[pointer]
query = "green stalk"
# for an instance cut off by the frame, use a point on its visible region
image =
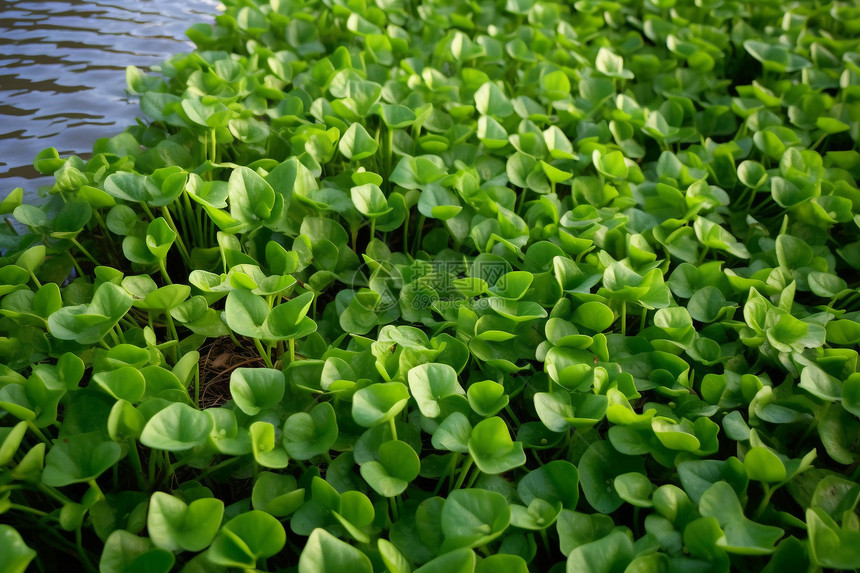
(521, 202)
(152, 467)
(475, 474)
(393, 427)
(85, 252)
(134, 460)
(218, 466)
(163, 271)
(75, 264)
(38, 432)
(94, 484)
(27, 509)
(768, 492)
(101, 222)
(455, 456)
(545, 540)
(147, 211)
(263, 354)
(35, 280)
(624, 318)
(418, 231)
(406, 233)
(514, 416)
(171, 326)
(465, 469)
(393, 503)
(292, 350)
(51, 492)
(191, 218)
(179, 242)
(82, 552)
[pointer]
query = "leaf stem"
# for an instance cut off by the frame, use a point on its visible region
(75, 264)
(38, 432)
(134, 460)
(475, 474)
(152, 466)
(392, 501)
(94, 484)
(27, 509)
(765, 500)
(465, 469)
(179, 242)
(393, 425)
(51, 492)
(623, 318)
(85, 252)
(263, 354)
(419, 229)
(82, 552)
(163, 271)
(218, 466)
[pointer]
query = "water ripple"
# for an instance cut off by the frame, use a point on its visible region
(62, 79)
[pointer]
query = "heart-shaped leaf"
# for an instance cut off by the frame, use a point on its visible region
(176, 526)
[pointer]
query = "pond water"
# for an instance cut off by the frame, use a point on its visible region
(62, 72)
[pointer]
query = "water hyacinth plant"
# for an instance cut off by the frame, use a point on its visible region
(514, 285)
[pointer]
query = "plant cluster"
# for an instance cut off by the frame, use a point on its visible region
(497, 285)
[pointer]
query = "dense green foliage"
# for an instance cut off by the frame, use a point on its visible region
(515, 285)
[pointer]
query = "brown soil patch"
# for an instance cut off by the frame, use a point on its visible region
(218, 359)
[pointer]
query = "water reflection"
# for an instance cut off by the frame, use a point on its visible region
(62, 78)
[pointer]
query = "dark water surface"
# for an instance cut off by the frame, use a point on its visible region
(62, 72)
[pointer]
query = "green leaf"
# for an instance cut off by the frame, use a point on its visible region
(356, 143)
(598, 468)
(831, 546)
(79, 458)
(740, 535)
(398, 465)
(611, 64)
(174, 525)
(492, 448)
(176, 428)
(245, 313)
(124, 383)
(491, 101)
(255, 389)
(379, 403)
(634, 488)
(473, 517)
(247, 538)
(460, 560)
(276, 494)
(325, 553)
(126, 552)
(266, 450)
(16, 554)
(611, 553)
(431, 383)
(307, 434)
(486, 397)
